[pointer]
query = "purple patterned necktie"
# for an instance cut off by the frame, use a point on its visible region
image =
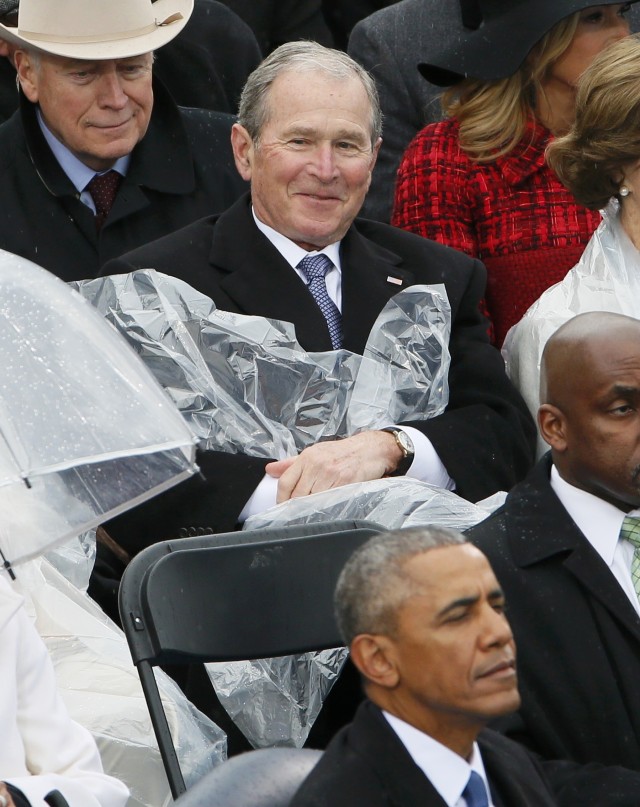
(315, 267)
(103, 189)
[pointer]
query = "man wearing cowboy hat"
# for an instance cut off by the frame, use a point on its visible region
(99, 159)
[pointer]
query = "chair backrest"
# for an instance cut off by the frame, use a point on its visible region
(269, 777)
(232, 596)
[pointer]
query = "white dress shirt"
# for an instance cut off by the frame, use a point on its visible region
(447, 771)
(600, 523)
(426, 466)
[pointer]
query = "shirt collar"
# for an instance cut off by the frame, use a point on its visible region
(79, 173)
(598, 520)
(290, 251)
(447, 771)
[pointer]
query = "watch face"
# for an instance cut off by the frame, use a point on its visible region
(405, 442)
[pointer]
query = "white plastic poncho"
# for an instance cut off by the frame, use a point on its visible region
(606, 278)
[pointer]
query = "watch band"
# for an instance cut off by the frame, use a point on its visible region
(405, 444)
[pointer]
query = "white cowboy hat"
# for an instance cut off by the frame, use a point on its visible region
(97, 29)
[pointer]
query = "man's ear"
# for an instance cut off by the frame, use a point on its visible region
(373, 656)
(243, 148)
(27, 74)
(376, 151)
(553, 427)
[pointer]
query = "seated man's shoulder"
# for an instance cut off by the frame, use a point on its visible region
(396, 17)
(169, 251)
(341, 778)
(196, 119)
(406, 243)
(11, 141)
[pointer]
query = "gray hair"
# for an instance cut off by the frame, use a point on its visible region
(301, 56)
(374, 582)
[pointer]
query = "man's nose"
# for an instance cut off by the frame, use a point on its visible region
(110, 91)
(496, 628)
(324, 162)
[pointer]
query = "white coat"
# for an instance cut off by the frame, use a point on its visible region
(41, 747)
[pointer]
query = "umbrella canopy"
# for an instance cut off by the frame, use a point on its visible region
(85, 430)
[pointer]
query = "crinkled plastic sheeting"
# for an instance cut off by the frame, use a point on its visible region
(101, 688)
(245, 384)
(276, 701)
(606, 278)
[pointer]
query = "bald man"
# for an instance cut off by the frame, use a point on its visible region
(557, 549)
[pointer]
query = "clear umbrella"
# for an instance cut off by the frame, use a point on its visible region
(85, 430)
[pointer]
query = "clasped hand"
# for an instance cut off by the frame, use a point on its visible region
(365, 456)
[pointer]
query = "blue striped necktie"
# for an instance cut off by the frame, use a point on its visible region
(314, 268)
(475, 793)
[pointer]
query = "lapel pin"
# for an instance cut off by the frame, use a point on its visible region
(396, 280)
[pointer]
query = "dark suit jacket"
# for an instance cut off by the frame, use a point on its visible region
(366, 765)
(207, 64)
(577, 634)
(484, 438)
(182, 169)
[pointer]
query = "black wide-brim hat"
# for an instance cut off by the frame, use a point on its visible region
(500, 44)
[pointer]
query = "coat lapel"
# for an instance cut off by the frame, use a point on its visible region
(371, 275)
(401, 779)
(267, 286)
(260, 282)
(539, 528)
(511, 786)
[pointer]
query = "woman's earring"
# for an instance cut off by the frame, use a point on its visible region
(623, 190)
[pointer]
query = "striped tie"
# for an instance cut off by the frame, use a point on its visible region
(630, 531)
(315, 267)
(475, 793)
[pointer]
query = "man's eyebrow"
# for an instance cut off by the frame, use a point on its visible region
(467, 602)
(624, 389)
(462, 602)
(311, 131)
(619, 391)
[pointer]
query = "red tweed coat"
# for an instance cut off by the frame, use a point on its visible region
(512, 213)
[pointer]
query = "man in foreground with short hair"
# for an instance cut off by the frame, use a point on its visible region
(307, 139)
(423, 615)
(99, 159)
(565, 550)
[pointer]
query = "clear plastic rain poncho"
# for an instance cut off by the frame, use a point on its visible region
(85, 431)
(244, 384)
(606, 278)
(101, 688)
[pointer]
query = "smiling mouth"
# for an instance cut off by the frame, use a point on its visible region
(318, 197)
(106, 126)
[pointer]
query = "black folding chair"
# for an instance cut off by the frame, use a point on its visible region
(229, 597)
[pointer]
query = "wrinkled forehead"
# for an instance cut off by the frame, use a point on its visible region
(311, 89)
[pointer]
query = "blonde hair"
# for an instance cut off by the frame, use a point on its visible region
(605, 136)
(493, 115)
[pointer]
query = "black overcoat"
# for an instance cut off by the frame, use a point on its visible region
(577, 634)
(181, 170)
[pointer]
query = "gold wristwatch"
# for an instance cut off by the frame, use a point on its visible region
(405, 444)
